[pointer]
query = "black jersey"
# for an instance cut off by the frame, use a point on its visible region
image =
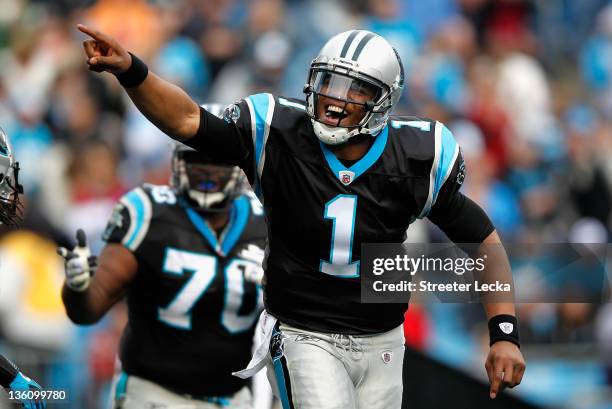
(319, 211)
(8, 372)
(191, 310)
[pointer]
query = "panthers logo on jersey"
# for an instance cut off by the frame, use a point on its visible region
(461, 173)
(115, 221)
(232, 113)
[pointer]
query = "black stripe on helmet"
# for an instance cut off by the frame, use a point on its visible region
(401, 66)
(348, 42)
(361, 45)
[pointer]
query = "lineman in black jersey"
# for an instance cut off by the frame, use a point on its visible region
(333, 173)
(11, 378)
(188, 258)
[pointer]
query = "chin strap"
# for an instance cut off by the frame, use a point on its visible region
(18, 188)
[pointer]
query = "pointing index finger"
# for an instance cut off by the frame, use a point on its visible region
(95, 34)
(498, 378)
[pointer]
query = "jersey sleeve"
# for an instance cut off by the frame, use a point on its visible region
(223, 139)
(261, 111)
(238, 138)
(130, 220)
(460, 218)
(447, 171)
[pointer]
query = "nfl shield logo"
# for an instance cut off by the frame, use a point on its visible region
(346, 177)
(506, 327)
(386, 356)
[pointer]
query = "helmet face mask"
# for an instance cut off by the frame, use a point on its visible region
(11, 208)
(342, 100)
(207, 187)
(353, 85)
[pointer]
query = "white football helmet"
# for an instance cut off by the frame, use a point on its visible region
(353, 62)
(10, 206)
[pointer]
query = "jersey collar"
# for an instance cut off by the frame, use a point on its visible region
(347, 175)
(239, 216)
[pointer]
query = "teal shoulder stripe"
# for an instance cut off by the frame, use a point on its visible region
(448, 154)
(262, 106)
(139, 208)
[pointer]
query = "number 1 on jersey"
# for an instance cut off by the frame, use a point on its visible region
(342, 210)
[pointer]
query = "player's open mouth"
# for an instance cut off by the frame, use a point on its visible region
(335, 112)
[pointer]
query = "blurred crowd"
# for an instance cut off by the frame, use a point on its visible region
(525, 86)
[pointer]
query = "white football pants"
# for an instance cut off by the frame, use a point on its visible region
(132, 392)
(311, 370)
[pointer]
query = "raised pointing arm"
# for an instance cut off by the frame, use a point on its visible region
(164, 104)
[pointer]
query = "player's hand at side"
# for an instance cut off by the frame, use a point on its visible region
(80, 265)
(104, 53)
(505, 366)
(21, 385)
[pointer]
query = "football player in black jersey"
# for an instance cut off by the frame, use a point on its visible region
(333, 172)
(10, 205)
(11, 378)
(188, 258)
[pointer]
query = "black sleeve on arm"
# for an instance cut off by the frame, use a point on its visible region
(461, 219)
(8, 371)
(222, 142)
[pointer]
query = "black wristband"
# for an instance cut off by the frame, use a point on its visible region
(135, 75)
(8, 372)
(504, 327)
